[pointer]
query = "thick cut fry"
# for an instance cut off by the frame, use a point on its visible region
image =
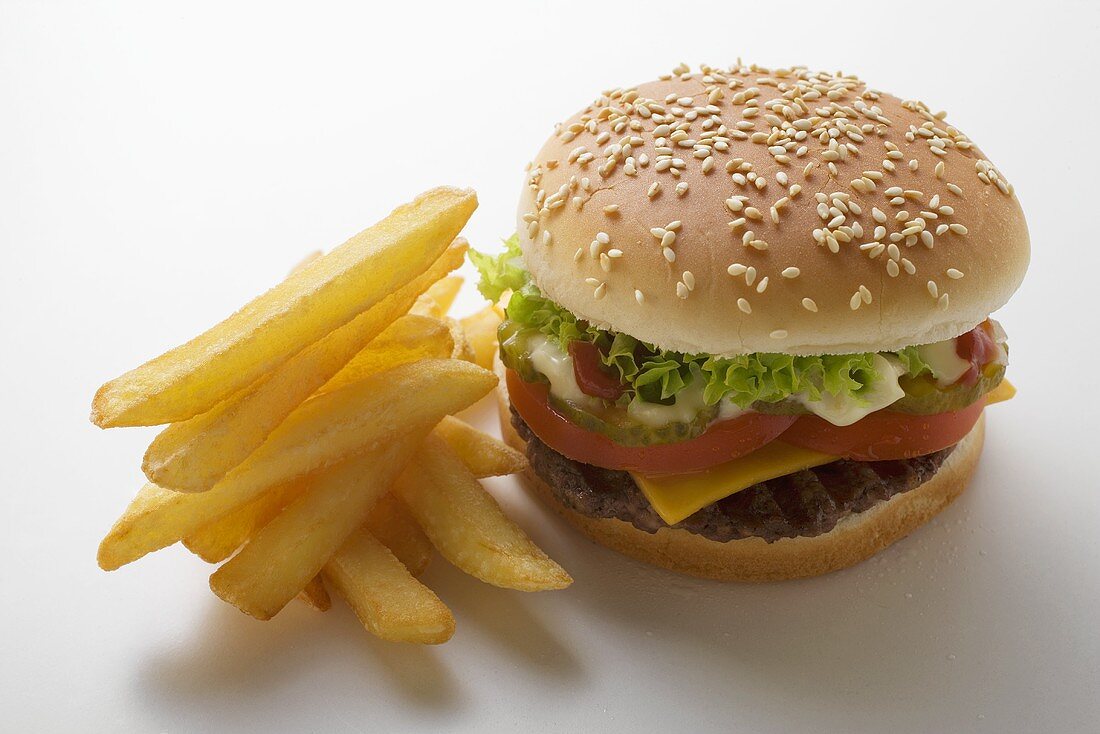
(219, 539)
(467, 526)
(387, 599)
(324, 295)
(192, 456)
(290, 550)
(305, 261)
(482, 454)
(316, 595)
(462, 348)
(407, 339)
(321, 432)
(438, 299)
(481, 332)
(391, 523)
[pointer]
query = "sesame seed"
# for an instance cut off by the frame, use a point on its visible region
(958, 228)
(639, 296)
(669, 253)
(736, 269)
(681, 290)
(791, 272)
(855, 301)
(809, 304)
(611, 209)
(600, 292)
(933, 289)
(744, 305)
(954, 274)
(762, 285)
(779, 334)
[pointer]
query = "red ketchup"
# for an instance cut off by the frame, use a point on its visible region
(589, 372)
(978, 348)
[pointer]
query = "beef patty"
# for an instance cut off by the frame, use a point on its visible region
(805, 503)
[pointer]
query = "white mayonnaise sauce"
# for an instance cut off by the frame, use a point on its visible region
(841, 410)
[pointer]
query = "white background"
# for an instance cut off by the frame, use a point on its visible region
(160, 165)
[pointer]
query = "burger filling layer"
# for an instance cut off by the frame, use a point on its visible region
(800, 504)
(756, 445)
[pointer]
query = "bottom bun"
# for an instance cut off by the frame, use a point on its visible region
(855, 538)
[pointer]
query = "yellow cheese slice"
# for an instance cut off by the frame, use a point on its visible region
(677, 496)
(1004, 391)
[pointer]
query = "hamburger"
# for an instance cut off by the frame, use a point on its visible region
(746, 331)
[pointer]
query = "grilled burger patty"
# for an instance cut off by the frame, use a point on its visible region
(805, 503)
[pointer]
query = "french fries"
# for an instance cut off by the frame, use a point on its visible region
(217, 540)
(437, 300)
(312, 444)
(286, 553)
(322, 431)
(315, 595)
(391, 523)
(326, 294)
(481, 332)
(482, 454)
(387, 599)
(467, 527)
(408, 339)
(192, 456)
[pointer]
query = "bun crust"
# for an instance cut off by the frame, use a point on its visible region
(874, 223)
(854, 539)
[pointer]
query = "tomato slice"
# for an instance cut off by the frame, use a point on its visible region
(885, 435)
(723, 441)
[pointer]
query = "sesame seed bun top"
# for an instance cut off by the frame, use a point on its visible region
(744, 210)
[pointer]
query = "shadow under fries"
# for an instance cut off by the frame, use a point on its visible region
(505, 617)
(232, 657)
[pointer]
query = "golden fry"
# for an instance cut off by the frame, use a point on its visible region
(391, 523)
(481, 332)
(482, 454)
(216, 541)
(407, 339)
(290, 550)
(194, 455)
(316, 595)
(321, 432)
(387, 599)
(467, 526)
(326, 294)
(438, 299)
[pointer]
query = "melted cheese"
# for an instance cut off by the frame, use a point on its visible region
(676, 497)
(1004, 391)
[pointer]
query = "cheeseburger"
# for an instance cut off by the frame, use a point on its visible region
(747, 328)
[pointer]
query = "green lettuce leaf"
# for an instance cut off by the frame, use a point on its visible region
(500, 273)
(657, 375)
